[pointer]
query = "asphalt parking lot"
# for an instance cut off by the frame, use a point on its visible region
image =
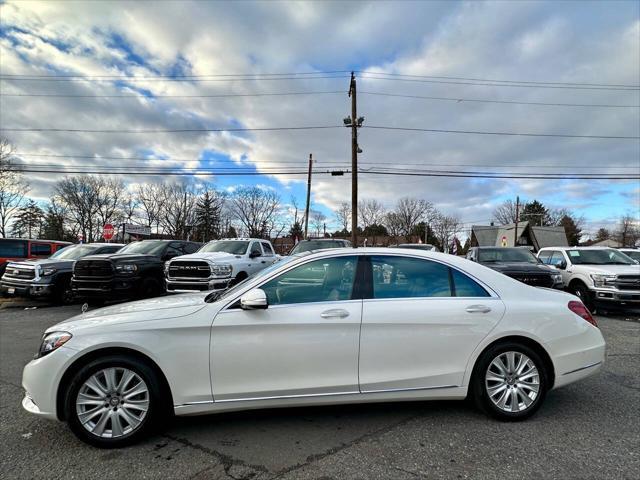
(585, 430)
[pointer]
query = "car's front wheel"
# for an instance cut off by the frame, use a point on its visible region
(113, 401)
(510, 382)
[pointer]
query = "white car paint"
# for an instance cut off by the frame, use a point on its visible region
(217, 358)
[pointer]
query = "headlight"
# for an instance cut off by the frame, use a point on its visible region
(48, 271)
(52, 341)
(166, 267)
(556, 277)
(221, 270)
(600, 280)
(126, 268)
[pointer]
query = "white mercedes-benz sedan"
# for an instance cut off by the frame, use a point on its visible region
(327, 327)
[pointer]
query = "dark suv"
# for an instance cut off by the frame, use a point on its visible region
(136, 271)
(50, 277)
(518, 263)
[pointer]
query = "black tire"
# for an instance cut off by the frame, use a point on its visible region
(96, 302)
(240, 277)
(479, 387)
(581, 291)
(63, 293)
(150, 288)
(156, 410)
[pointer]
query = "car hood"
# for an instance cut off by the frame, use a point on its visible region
(211, 256)
(44, 262)
(610, 269)
(517, 267)
(141, 311)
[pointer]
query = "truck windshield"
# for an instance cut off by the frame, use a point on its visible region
(235, 247)
(73, 252)
(517, 255)
(147, 247)
(605, 256)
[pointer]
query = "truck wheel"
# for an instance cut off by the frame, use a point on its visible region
(63, 294)
(581, 291)
(150, 288)
(240, 277)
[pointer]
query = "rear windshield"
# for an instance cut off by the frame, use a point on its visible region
(13, 248)
(317, 245)
(235, 247)
(517, 255)
(605, 256)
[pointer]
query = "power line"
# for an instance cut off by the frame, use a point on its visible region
(152, 96)
(267, 129)
(513, 102)
(522, 134)
(165, 79)
(212, 75)
(498, 175)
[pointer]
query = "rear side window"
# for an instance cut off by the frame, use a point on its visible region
(466, 287)
(40, 249)
(13, 248)
(404, 277)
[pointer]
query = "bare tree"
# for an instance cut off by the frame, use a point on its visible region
(256, 209)
(409, 212)
(151, 199)
(343, 215)
(505, 213)
(371, 212)
(445, 228)
(317, 220)
(13, 187)
(393, 224)
(177, 217)
(628, 231)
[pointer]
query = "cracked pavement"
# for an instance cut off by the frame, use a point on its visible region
(586, 430)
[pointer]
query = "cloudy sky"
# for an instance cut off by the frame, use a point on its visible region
(165, 65)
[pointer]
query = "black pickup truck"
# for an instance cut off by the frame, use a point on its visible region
(517, 263)
(136, 271)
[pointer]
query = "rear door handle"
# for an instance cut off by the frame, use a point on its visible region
(478, 309)
(334, 313)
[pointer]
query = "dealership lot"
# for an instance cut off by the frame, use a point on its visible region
(586, 430)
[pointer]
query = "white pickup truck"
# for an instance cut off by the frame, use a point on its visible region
(218, 264)
(597, 275)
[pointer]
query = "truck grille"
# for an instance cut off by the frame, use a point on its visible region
(189, 269)
(628, 282)
(20, 273)
(534, 279)
(93, 268)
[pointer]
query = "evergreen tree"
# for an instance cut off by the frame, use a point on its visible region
(29, 221)
(208, 216)
(296, 231)
(535, 213)
(573, 231)
(602, 234)
(53, 228)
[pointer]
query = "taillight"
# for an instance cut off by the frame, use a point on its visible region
(579, 309)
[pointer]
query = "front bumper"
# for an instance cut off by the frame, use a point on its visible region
(40, 380)
(26, 289)
(114, 288)
(622, 297)
(194, 285)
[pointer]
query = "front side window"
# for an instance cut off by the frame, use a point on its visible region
(544, 256)
(556, 259)
(324, 280)
(404, 277)
(256, 251)
(40, 249)
(267, 248)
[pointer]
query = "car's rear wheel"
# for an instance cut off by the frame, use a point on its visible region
(510, 382)
(113, 401)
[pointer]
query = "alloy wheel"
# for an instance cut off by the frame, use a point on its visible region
(112, 402)
(512, 382)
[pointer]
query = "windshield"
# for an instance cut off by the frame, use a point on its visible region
(605, 256)
(517, 255)
(235, 247)
(73, 252)
(306, 246)
(635, 254)
(215, 296)
(147, 247)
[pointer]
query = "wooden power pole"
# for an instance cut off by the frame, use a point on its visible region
(354, 161)
(306, 209)
(515, 233)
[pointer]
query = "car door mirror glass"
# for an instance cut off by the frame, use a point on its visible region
(254, 299)
(562, 265)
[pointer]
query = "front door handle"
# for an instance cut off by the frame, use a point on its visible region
(334, 313)
(478, 309)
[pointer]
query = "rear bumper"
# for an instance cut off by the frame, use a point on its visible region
(579, 359)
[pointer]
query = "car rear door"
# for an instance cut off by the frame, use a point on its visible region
(304, 344)
(420, 324)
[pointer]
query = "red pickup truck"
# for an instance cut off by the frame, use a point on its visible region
(23, 249)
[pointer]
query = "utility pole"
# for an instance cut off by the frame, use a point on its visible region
(306, 209)
(515, 233)
(354, 122)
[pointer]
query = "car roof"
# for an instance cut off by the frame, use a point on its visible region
(62, 242)
(578, 248)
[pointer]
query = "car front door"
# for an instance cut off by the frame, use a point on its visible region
(305, 342)
(421, 323)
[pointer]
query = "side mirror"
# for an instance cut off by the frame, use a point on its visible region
(255, 254)
(562, 265)
(254, 299)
